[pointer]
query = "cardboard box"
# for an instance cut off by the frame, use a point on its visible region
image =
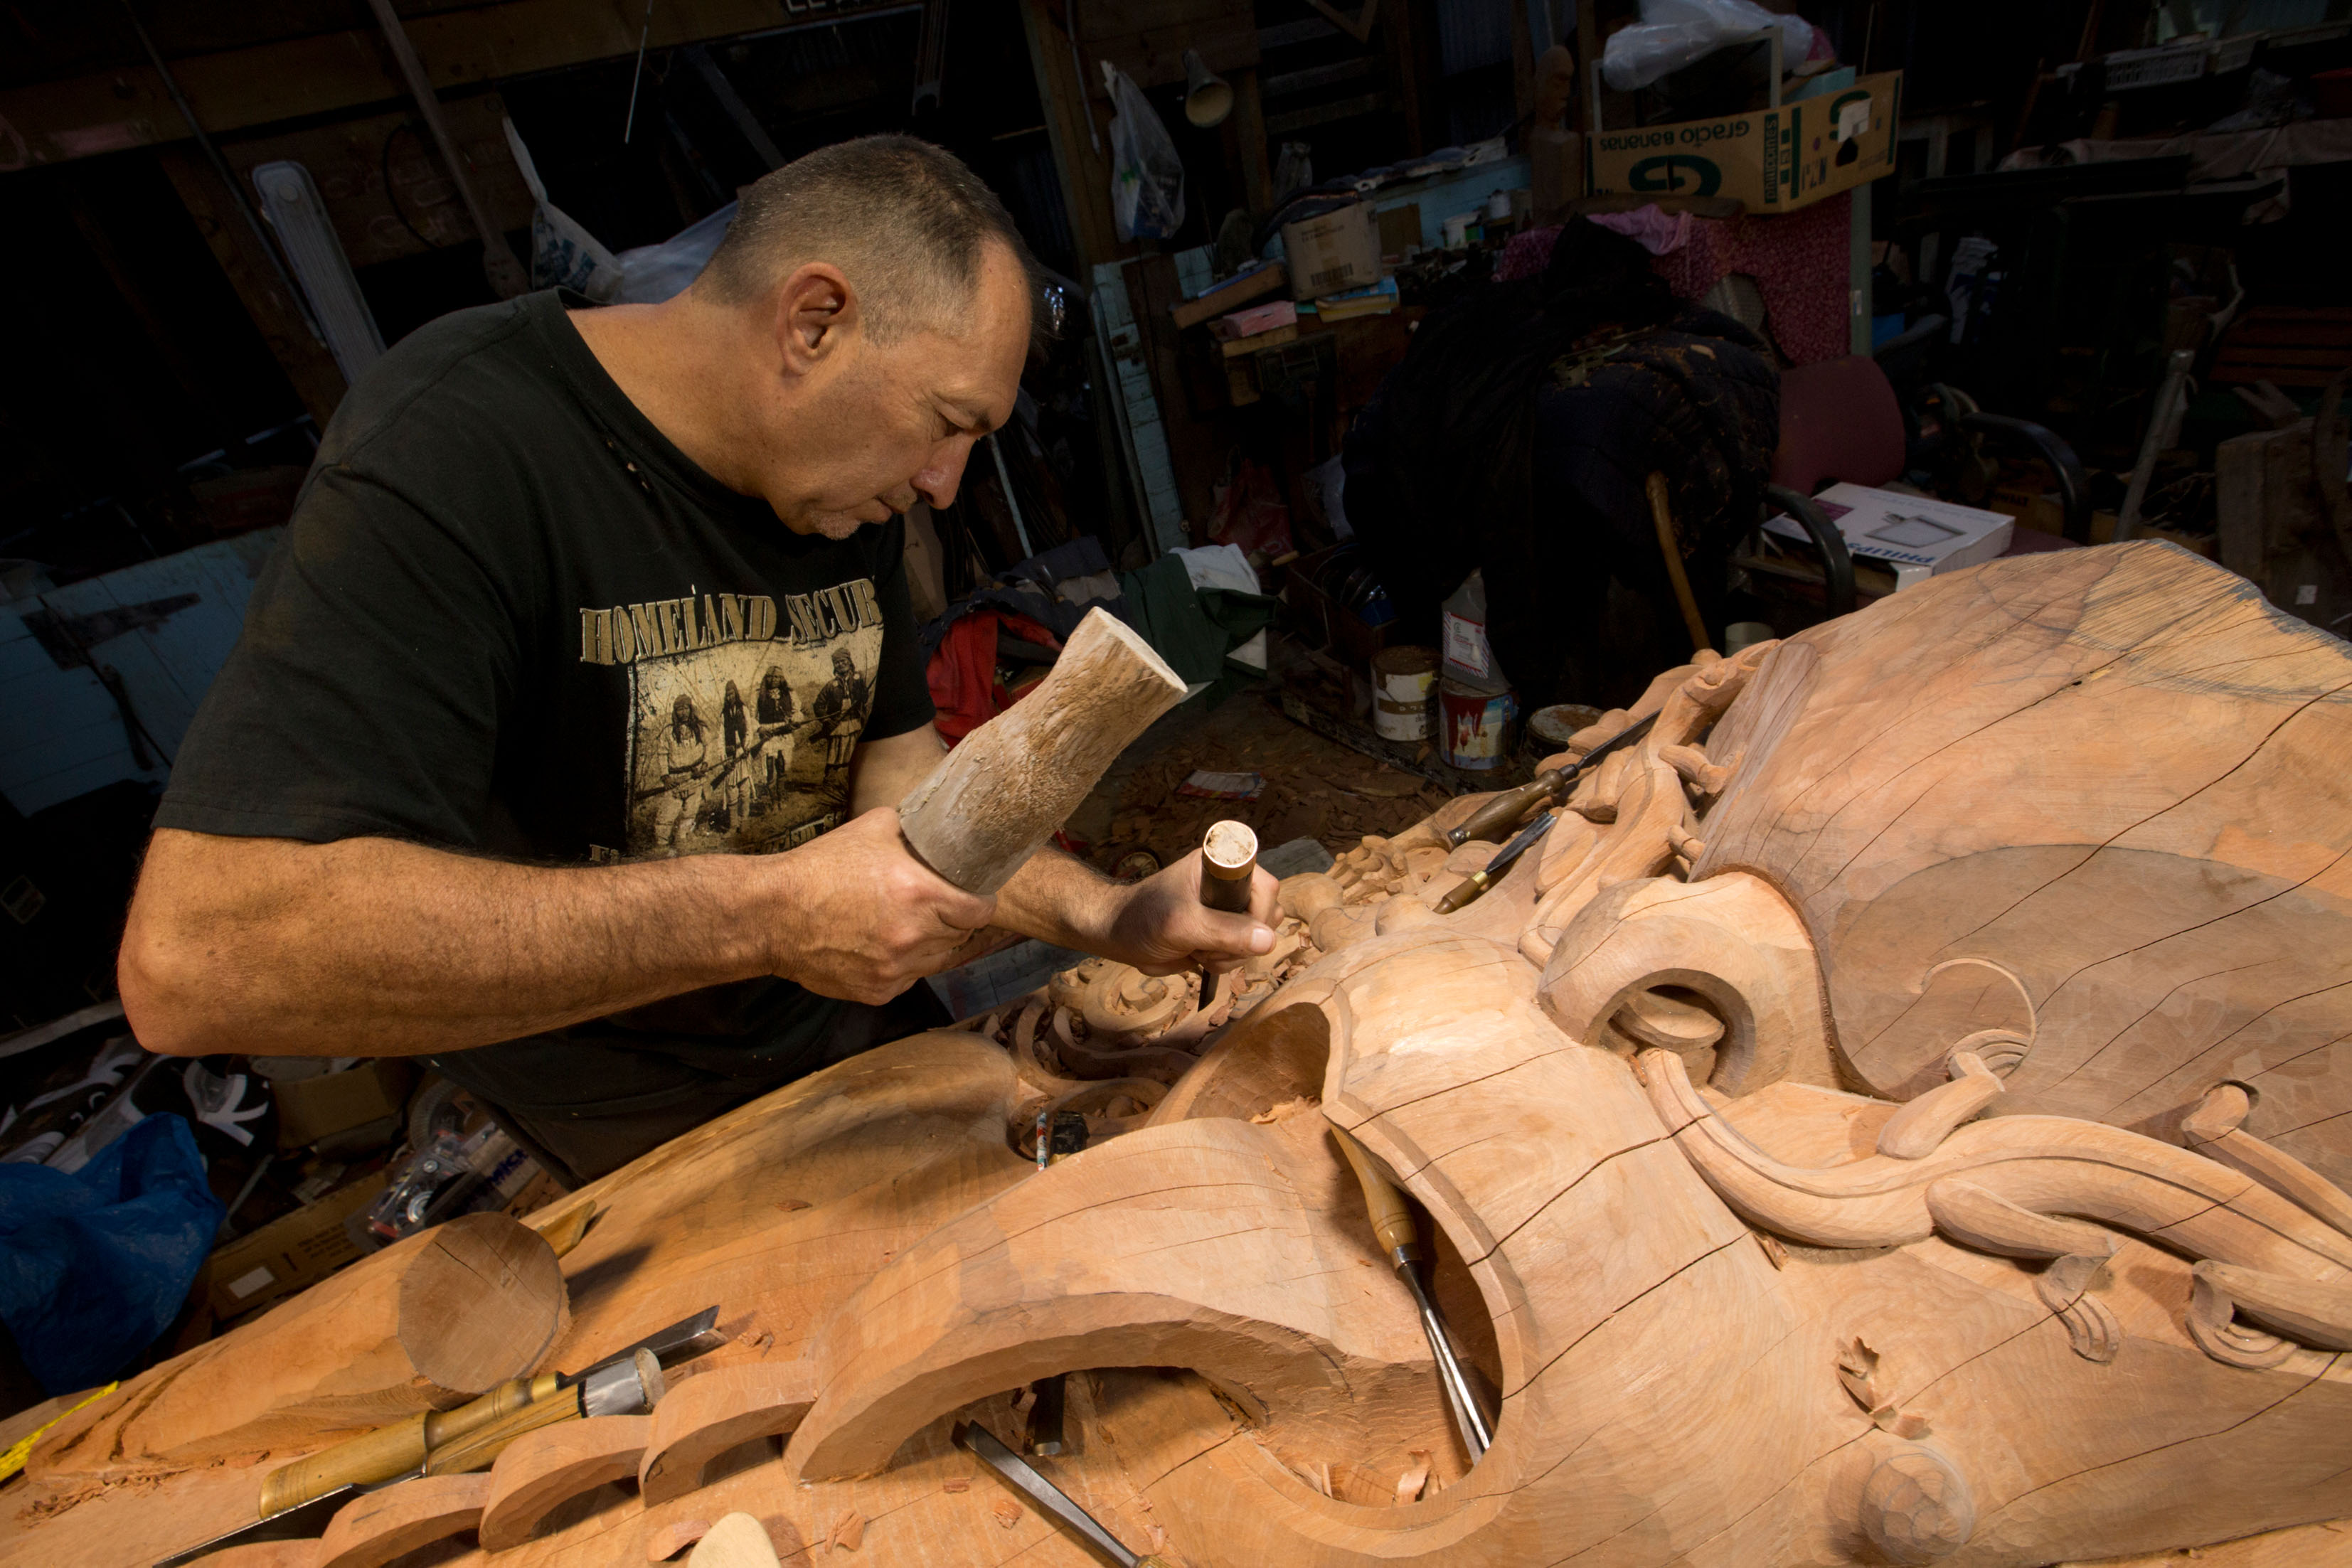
(290, 1252)
(310, 1109)
(1915, 536)
(1334, 253)
(1775, 160)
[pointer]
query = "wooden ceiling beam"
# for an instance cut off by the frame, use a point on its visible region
(327, 73)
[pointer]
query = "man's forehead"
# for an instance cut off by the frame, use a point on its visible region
(993, 344)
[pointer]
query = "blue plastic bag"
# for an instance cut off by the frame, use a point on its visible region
(95, 1265)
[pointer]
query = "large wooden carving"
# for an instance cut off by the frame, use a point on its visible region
(1899, 1116)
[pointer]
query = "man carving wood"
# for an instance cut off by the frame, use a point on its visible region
(477, 784)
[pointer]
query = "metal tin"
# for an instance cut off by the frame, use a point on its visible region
(1548, 728)
(1476, 725)
(1402, 679)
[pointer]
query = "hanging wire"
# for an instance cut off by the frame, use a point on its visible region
(644, 31)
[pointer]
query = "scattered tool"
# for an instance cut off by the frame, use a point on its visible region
(1228, 866)
(981, 1444)
(298, 1498)
(1471, 888)
(1393, 1227)
(1499, 815)
(1046, 1416)
(630, 1387)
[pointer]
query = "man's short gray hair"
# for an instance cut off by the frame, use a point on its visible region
(907, 221)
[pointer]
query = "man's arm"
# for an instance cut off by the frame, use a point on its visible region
(384, 948)
(1158, 924)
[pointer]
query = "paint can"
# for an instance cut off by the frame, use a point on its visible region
(1476, 724)
(1550, 727)
(1402, 678)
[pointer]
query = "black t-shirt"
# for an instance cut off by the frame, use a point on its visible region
(510, 618)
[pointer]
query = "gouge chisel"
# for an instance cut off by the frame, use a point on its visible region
(1502, 813)
(1393, 1227)
(981, 1444)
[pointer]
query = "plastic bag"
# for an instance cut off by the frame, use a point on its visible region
(562, 254)
(653, 273)
(1673, 34)
(1147, 177)
(94, 1265)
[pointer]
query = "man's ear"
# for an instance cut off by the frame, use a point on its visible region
(816, 312)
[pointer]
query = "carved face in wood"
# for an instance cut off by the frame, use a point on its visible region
(1714, 1108)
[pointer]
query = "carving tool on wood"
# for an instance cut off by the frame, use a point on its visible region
(1393, 1227)
(1499, 815)
(298, 1498)
(1228, 866)
(630, 1387)
(1471, 888)
(981, 1444)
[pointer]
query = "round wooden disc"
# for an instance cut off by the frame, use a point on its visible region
(483, 1301)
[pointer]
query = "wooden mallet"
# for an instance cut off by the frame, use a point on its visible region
(994, 800)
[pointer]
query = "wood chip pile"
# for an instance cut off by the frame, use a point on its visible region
(1313, 789)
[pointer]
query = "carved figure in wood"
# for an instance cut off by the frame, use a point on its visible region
(1900, 1114)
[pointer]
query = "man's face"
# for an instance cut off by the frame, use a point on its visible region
(892, 424)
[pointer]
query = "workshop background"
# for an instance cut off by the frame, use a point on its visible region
(1377, 325)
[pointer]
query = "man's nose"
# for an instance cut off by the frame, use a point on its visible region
(943, 475)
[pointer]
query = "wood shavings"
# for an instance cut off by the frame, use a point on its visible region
(1313, 789)
(956, 1484)
(1411, 1484)
(849, 1531)
(1007, 1511)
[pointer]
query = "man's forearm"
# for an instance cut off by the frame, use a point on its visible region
(1060, 899)
(377, 947)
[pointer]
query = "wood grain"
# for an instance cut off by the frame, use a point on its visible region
(543, 1468)
(706, 1415)
(374, 1530)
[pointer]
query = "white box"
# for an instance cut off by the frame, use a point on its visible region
(1914, 536)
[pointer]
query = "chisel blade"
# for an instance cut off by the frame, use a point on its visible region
(981, 1443)
(300, 1523)
(681, 1341)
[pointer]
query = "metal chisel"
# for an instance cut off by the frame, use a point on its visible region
(298, 1498)
(1393, 1227)
(1471, 888)
(1499, 815)
(981, 1443)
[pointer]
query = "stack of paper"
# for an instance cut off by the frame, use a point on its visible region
(1914, 536)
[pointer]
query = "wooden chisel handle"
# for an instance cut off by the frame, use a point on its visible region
(1493, 820)
(477, 1448)
(393, 1451)
(1393, 1225)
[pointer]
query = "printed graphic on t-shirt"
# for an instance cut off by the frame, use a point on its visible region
(741, 720)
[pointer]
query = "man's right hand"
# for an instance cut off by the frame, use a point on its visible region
(863, 919)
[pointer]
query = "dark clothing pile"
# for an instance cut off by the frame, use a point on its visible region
(1518, 434)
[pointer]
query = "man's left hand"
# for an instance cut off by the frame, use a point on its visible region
(1160, 926)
